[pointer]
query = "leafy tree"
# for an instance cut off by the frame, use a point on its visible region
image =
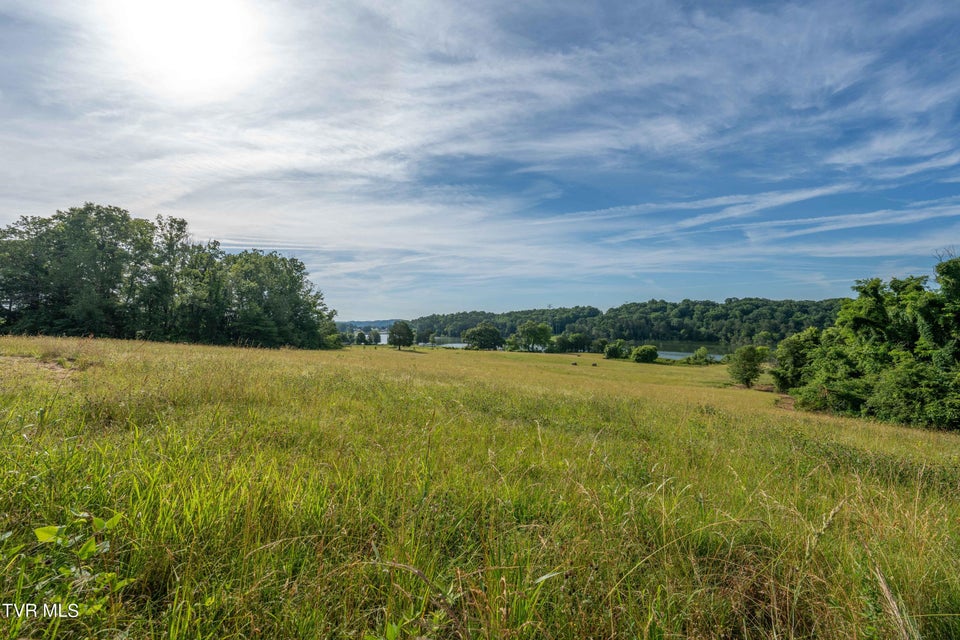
(644, 353)
(745, 365)
(580, 342)
(274, 303)
(793, 355)
(893, 353)
(599, 345)
(202, 296)
(96, 270)
(401, 335)
(374, 337)
(559, 344)
(483, 336)
(361, 338)
(534, 336)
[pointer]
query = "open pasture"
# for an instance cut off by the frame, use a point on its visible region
(173, 491)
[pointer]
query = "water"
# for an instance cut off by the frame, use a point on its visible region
(680, 355)
(666, 355)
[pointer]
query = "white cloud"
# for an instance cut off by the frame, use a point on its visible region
(418, 141)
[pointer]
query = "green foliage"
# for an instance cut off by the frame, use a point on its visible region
(745, 364)
(734, 321)
(534, 336)
(700, 357)
(615, 350)
(454, 324)
(401, 335)
(644, 353)
(77, 560)
(917, 393)
(483, 336)
(893, 354)
(792, 356)
(94, 270)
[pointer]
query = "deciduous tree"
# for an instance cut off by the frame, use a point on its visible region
(745, 365)
(401, 335)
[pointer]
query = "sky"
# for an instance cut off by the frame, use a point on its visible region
(426, 157)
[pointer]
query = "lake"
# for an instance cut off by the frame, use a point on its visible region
(666, 355)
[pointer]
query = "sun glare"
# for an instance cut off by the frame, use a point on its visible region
(185, 50)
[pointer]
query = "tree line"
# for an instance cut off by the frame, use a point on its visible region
(95, 270)
(732, 322)
(893, 353)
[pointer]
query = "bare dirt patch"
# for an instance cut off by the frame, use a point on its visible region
(12, 365)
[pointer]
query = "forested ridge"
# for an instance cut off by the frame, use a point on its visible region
(95, 270)
(734, 321)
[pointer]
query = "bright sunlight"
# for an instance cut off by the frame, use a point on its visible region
(186, 51)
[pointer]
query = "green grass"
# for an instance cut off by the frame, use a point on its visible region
(443, 494)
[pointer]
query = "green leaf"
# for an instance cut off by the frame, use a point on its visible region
(99, 524)
(113, 522)
(392, 631)
(48, 534)
(88, 549)
(120, 584)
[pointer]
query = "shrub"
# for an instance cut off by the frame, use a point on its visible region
(614, 350)
(700, 357)
(645, 353)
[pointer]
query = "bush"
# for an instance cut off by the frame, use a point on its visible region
(840, 396)
(700, 357)
(614, 350)
(915, 393)
(645, 353)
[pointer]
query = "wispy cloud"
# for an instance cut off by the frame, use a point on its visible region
(465, 151)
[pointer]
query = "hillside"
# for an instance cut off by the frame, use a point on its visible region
(733, 321)
(189, 491)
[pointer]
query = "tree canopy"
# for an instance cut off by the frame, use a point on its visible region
(733, 322)
(746, 364)
(483, 336)
(401, 335)
(95, 270)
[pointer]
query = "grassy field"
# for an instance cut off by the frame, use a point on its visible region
(172, 491)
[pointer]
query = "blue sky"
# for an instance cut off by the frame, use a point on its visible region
(429, 156)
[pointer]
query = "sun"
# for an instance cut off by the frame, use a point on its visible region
(185, 50)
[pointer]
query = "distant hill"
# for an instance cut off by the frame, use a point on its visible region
(733, 321)
(345, 325)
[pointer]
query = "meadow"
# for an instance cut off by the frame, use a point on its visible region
(175, 491)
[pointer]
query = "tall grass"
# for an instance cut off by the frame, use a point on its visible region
(175, 491)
